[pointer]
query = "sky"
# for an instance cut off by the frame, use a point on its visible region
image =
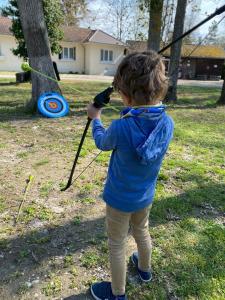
(3, 2)
(207, 7)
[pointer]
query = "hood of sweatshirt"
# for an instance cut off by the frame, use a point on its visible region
(156, 143)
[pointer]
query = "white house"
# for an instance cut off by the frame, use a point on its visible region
(84, 51)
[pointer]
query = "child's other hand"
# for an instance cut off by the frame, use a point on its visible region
(93, 112)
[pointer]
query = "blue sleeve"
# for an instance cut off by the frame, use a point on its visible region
(105, 139)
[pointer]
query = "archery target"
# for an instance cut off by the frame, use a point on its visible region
(53, 105)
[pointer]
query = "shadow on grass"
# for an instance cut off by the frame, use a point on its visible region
(83, 296)
(8, 83)
(15, 109)
(15, 113)
(206, 201)
(188, 106)
(42, 245)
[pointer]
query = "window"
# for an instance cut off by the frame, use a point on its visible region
(68, 53)
(65, 53)
(106, 55)
(110, 56)
(71, 53)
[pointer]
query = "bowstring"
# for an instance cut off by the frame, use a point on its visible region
(107, 105)
(78, 176)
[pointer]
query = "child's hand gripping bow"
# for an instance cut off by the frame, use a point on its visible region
(100, 100)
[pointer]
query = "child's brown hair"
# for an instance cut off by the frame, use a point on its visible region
(141, 77)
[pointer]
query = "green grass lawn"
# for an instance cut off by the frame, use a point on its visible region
(8, 73)
(60, 240)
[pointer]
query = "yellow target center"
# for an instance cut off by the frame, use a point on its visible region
(53, 105)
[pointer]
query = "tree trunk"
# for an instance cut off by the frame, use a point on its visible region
(37, 42)
(155, 22)
(176, 51)
(221, 100)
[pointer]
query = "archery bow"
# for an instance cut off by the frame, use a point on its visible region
(100, 102)
(112, 107)
(103, 98)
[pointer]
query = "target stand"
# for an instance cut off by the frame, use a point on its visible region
(53, 105)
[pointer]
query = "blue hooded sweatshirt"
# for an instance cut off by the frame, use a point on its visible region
(139, 144)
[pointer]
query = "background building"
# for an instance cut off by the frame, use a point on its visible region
(84, 51)
(203, 62)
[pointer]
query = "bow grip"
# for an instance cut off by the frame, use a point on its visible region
(103, 98)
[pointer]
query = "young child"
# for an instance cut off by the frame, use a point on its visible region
(139, 140)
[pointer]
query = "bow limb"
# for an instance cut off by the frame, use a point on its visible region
(77, 155)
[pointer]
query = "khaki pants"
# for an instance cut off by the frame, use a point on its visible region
(117, 224)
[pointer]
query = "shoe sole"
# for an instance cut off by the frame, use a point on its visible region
(138, 272)
(95, 297)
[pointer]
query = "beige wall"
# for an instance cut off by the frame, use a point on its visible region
(8, 61)
(70, 65)
(93, 64)
(90, 52)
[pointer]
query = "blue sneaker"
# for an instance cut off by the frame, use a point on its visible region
(103, 291)
(145, 276)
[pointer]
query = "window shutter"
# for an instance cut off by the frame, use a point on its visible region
(66, 53)
(102, 55)
(110, 55)
(71, 53)
(106, 58)
(60, 55)
(74, 53)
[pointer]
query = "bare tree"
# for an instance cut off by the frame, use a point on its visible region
(36, 38)
(155, 22)
(120, 13)
(167, 21)
(125, 18)
(74, 11)
(138, 27)
(193, 9)
(212, 35)
(176, 50)
(221, 100)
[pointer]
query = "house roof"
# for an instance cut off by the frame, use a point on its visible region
(71, 34)
(74, 34)
(194, 51)
(5, 24)
(104, 38)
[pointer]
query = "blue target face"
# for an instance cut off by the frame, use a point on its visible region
(53, 105)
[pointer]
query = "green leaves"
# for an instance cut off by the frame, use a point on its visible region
(53, 18)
